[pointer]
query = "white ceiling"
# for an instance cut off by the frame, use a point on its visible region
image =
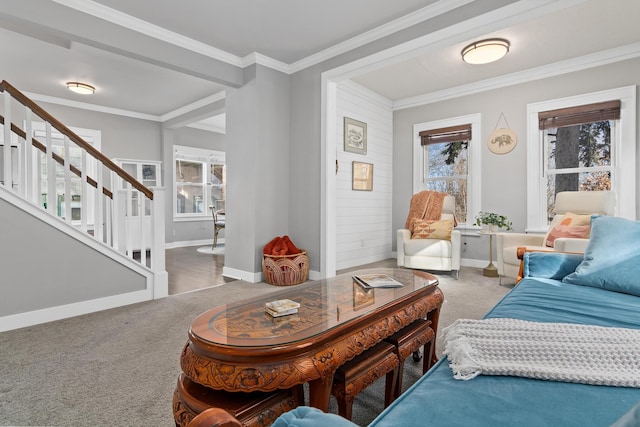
(285, 30)
(39, 53)
(587, 28)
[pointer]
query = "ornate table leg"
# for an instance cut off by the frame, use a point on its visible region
(320, 391)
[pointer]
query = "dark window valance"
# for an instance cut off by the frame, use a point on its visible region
(448, 134)
(609, 110)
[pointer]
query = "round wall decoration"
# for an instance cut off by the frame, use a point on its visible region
(502, 140)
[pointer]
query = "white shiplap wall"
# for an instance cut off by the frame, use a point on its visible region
(363, 218)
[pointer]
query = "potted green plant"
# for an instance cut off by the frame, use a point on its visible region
(493, 221)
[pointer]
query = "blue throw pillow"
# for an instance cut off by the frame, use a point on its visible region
(550, 265)
(612, 258)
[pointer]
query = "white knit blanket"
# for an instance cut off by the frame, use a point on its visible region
(550, 351)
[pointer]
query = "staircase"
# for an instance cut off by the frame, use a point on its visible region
(88, 205)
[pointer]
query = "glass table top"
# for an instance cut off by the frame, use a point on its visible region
(324, 305)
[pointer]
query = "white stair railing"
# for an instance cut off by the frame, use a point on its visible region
(67, 189)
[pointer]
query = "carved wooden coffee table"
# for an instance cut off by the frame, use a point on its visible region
(240, 348)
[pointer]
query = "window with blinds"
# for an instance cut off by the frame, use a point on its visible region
(446, 163)
(578, 149)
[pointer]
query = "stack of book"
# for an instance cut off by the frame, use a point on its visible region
(281, 307)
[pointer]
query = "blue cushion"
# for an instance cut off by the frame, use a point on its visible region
(550, 265)
(612, 258)
(305, 416)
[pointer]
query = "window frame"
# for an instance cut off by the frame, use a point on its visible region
(474, 175)
(208, 157)
(623, 154)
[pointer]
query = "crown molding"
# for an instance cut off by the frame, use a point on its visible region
(597, 59)
(201, 126)
(510, 14)
(128, 113)
(92, 107)
(492, 21)
(193, 106)
(260, 59)
(377, 33)
(108, 14)
(593, 60)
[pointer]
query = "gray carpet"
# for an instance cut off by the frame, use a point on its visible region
(118, 367)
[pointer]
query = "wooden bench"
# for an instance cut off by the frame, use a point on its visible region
(408, 341)
(362, 371)
(190, 399)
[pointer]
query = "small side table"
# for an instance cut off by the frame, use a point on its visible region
(490, 270)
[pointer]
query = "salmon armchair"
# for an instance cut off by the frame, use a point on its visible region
(431, 254)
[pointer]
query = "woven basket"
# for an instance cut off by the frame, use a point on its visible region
(285, 270)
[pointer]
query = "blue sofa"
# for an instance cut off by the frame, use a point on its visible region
(601, 287)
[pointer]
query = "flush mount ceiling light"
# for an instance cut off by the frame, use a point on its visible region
(485, 51)
(81, 88)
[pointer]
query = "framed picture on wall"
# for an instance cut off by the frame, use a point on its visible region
(355, 136)
(362, 178)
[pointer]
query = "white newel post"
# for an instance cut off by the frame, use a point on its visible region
(161, 277)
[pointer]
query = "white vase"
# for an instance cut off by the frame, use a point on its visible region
(492, 228)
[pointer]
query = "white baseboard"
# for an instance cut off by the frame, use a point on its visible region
(257, 277)
(37, 317)
(247, 276)
(314, 275)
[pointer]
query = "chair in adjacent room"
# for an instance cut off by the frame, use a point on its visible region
(218, 211)
(429, 242)
(568, 231)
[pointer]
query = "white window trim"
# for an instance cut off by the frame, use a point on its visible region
(474, 179)
(196, 154)
(624, 157)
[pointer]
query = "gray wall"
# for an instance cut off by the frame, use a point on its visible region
(43, 267)
(273, 147)
(122, 137)
(258, 175)
(504, 177)
(304, 165)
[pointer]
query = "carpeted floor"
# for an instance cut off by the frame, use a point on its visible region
(118, 367)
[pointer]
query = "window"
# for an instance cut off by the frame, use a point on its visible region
(578, 150)
(586, 143)
(199, 177)
(447, 160)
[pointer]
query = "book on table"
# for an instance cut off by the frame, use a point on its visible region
(281, 313)
(377, 281)
(281, 307)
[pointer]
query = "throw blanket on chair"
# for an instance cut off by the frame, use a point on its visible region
(565, 352)
(425, 205)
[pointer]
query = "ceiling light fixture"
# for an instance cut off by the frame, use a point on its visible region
(81, 88)
(485, 51)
